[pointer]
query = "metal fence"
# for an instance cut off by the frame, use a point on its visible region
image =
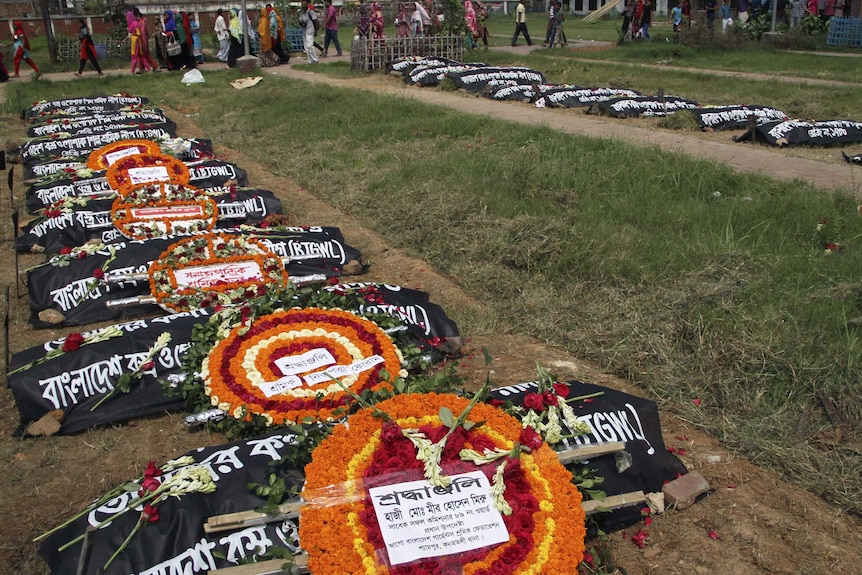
(372, 54)
(112, 46)
(845, 32)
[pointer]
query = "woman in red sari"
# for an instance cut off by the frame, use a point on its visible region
(21, 48)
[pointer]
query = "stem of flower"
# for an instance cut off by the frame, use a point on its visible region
(145, 499)
(583, 397)
(104, 499)
(125, 543)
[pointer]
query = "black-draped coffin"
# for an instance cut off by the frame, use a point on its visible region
(204, 174)
(735, 117)
(313, 251)
(646, 106)
(804, 133)
(93, 220)
(616, 416)
(177, 543)
(77, 380)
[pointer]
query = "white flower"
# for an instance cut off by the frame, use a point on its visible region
(498, 488)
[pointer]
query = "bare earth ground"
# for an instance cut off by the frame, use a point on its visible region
(764, 526)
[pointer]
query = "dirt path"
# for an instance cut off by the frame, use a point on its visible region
(763, 525)
(820, 167)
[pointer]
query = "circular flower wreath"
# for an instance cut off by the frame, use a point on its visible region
(212, 250)
(546, 526)
(240, 363)
(118, 172)
(158, 209)
(100, 160)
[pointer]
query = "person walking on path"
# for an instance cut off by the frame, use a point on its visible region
(725, 15)
(222, 35)
(310, 24)
(276, 31)
(481, 19)
(521, 24)
(550, 28)
(330, 28)
(21, 48)
(88, 50)
(402, 22)
(646, 18)
(710, 15)
(558, 35)
(144, 56)
(134, 42)
(470, 26)
(676, 17)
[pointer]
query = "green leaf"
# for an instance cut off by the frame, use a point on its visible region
(487, 356)
(446, 417)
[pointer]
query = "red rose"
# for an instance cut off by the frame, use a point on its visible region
(550, 398)
(534, 401)
(152, 470)
(391, 432)
(529, 438)
(150, 513)
(72, 342)
(561, 389)
(150, 484)
(98, 273)
(65, 250)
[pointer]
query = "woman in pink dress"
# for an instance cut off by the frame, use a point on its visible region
(470, 23)
(377, 25)
(144, 57)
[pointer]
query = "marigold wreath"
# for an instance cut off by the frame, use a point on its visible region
(127, 173)
(102, 158)
(159, 209)
(546, 526)
(210, 270)
(240, 371)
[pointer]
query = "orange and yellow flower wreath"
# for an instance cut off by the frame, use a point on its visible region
(118, 178)
(209, 250)
(546, 528)
(244, 360)
(201, 211)
(98, 159)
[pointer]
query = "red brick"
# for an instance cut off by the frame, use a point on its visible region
(682, 492)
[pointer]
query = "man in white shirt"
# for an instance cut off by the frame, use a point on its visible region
(222, 35)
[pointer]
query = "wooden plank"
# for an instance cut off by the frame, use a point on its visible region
(291, 509)
(588, 451)
(231, 521)
(264, 567)
(596, 14)
(614, 502)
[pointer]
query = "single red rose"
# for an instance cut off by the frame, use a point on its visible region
(98, 273)
(391, 432)
(529, 438)
(150, 484)
(152, 470)
(561, 389)
(65, 250)
(550, 398)
(150, 513)
(534, 401)
(640, 538)
(72, 342)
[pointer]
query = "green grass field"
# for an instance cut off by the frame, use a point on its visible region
(693, 281)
